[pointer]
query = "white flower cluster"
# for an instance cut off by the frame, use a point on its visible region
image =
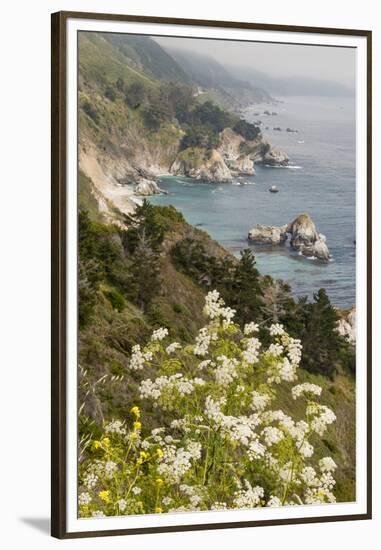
(250, 328)
(324, 418)
(115, 427)
(327, 464)
(195, 498)
(276, 329)
(272, 435)
(122, 503)
(110, 468)
(274, 502)
(275, 349)
(260, 401)
(203, 340)
(177, 461)
(139, 358)
(226, 370)
(251, 354)
(294, 350)
(283, 368)
(90, 480)
(214, 308)
(84, 498)
(154, 389)
(319, 489)
(249, 497)
(172, 348)
(306, 388)
(159, 334)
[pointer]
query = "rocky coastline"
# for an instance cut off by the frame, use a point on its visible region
(235, 156)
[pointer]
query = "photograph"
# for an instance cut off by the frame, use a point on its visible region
(215, 231)
(217, 238)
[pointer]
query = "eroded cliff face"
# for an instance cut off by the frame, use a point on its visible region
(202, 164)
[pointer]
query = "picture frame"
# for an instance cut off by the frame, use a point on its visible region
(65, 29)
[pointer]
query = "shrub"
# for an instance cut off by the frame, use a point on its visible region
(246, 129)
(110, 93)
(220, 444)
(90, 111)
(115, 298)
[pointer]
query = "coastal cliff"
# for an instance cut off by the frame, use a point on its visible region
(136, 125)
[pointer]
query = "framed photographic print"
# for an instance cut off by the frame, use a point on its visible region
(211, 270)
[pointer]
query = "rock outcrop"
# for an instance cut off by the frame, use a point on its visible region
(346, 326)
(145, 188)
(275, 157)
(300, 233)
(202, 165)
(268, 234)
(305, 238)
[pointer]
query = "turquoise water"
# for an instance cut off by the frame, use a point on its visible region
(320, 181)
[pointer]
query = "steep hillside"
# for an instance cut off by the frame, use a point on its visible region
(156, 274)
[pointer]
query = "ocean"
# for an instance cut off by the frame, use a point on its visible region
(321, 180)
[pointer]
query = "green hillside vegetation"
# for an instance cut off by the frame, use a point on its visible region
(156, 274)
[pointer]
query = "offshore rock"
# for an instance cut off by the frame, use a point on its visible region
(301, 234)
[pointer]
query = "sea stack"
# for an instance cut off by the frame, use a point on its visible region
(301, 234)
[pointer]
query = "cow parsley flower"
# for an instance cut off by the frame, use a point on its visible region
(249, 497)
(306, 388)
(122, 503)
(274, 502)
(259, 401)
(159, 334)
(139, 358)
(250, 328)
(172, 347)
(226, 370)
(251, 354)
(115, 427)
(272, 435)
(84, 499)
(110, 468)
(327, 464)
(276, 329)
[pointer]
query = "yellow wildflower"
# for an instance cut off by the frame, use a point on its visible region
(158, 510)
(142, 457)
(137, 425)
(135, 411)
(133, 436)
(97, 444)
(159, 482)
(106, 441)
(159, 453)
(105, 496)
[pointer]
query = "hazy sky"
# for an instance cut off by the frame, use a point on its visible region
(321, 62)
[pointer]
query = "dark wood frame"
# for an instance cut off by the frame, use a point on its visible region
(58, 244)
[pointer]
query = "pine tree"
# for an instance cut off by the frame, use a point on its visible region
(321, 342)
(245, 294)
